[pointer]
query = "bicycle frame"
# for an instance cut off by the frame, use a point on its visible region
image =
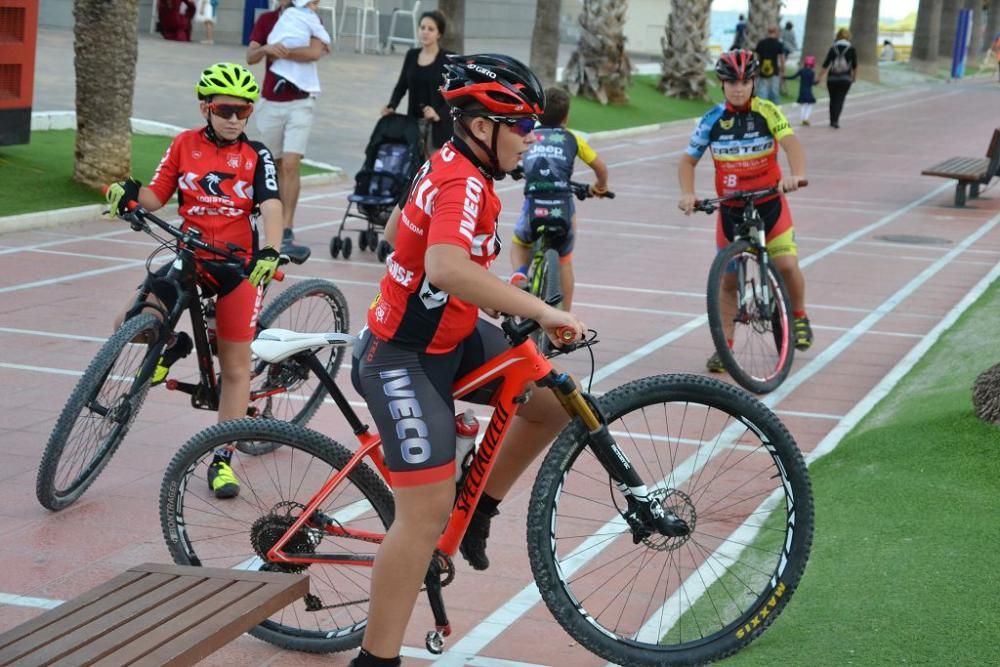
(518, 366)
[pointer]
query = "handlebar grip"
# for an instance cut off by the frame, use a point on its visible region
(279, 276)
(566, 334)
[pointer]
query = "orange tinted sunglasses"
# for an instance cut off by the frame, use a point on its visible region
(227, 111)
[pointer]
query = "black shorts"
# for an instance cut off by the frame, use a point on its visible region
(409, 396)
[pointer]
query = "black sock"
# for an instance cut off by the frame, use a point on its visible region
(487, 504)
(366, 659)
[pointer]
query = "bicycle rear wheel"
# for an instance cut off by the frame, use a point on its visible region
(760, 328)
(545, 284)
(714, 456)
(287, 390)
(98, 414)
(237, 532)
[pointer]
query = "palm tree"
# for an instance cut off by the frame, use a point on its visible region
(685, 51)
(105, 82)
(949, 21)
(763, 15)
(599, 68)
(976, 38)
(926, 36)
(820, 19)
(545, 41)
(864, 34)
(454, 35)
(992, 23)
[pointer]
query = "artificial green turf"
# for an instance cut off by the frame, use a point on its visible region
(39, 176)
(647, 106)
(904, 567)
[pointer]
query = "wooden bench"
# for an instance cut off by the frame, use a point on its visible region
(970, 172)
(152, 615)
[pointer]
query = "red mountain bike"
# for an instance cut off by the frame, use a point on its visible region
(670, 521)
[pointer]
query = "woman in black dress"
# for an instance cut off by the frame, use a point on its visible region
(421, 76)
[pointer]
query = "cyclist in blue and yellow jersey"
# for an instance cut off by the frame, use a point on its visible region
(744, 134)
(424, 332)
(548, 169)
(221, 179)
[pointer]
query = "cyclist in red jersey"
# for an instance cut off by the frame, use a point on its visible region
(221, 178)
(424, 331)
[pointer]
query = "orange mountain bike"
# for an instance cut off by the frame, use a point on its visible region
(670, 521)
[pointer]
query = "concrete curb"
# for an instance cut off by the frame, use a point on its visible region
(66, 120)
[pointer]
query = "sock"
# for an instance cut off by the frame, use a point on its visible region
(487, 504)
(223, 455)
(288, 234)
(366, 659)
(799, 314)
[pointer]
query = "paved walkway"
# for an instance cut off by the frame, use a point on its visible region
(355, 86)
(872, 296)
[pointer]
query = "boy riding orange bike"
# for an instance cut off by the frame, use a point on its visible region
(743, 134)
(424, 332)
(221, 178)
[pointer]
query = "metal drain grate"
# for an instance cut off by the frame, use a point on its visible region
(914, 239)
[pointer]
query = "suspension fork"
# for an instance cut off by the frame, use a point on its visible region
(644, 510)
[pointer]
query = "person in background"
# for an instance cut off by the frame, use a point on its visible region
(421, 76)
(840, 67)
(285, 117)
(807, 79)
(174, 19)
(771, 54)
(295, 28)
(207, 11)
(888, 54)
(789, 40)
(740, 34)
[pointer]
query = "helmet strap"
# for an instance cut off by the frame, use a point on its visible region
(215, 138)
(490, 151)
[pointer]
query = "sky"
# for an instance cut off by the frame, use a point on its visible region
(895, 9)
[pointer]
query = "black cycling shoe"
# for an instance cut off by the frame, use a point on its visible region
(297, 253)
(473, 545)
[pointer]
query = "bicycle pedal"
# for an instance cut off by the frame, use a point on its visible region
(434, 641)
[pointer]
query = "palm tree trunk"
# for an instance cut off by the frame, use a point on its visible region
(820, 19)
(454, 35)
(105, 82)
(976, 38)
(949, 21)
(545, 41)
(992, 23)
(926, 36)
(763, 15)
(685, 51)
(599, 68)
(864, 36)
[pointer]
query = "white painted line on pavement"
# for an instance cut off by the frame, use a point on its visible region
(71, 277)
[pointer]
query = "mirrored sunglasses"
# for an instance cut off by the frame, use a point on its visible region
(522, 127)
(227, 111)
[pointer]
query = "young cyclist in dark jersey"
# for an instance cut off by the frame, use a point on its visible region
(221, 178)
(744, 134)
(424, 332)
(548, 169)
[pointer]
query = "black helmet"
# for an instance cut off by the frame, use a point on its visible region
(500, 84)
(737, 65)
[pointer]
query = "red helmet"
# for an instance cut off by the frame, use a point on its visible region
(502, 85)
(738, 65)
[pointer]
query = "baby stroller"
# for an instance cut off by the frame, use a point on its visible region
(392, 158)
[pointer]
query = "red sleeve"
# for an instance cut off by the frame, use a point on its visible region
(455, 212)
(164, 181)
(262, 28)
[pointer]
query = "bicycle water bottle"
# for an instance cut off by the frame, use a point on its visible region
(210, 326)
(466, 428)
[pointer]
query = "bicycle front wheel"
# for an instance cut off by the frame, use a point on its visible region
(237, 533)
(98, 414)
(712, 455)
(749, 305)
(287, 390)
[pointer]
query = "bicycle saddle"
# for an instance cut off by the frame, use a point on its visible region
(274, 345)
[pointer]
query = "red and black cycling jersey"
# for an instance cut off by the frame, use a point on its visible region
(451, 201)
(219, 187)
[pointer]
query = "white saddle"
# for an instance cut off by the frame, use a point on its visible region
(274, 345)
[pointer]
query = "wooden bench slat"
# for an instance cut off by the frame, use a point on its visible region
(67, 608)
(216, 573)
(65, 644)
(141, 635)
(961, 168)
(79, 616)
(224, 627)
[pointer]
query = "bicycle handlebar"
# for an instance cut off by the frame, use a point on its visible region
(710, 205)
(583, 191)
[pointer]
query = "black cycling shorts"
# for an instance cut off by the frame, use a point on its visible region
(409, 395)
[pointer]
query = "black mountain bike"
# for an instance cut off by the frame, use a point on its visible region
(112, 390)
(550, 222)
(748, 303)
